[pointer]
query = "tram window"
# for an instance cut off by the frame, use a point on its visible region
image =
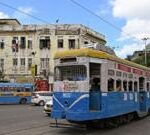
(110, 84)
(125, 85)
(118, 73)
(118, 85)
(130, 86)
(125, 75)
(147, 86)
(130, 75)
(141, 83)
(71, 73)
(111, 72)
(135, 86)
(94, 70)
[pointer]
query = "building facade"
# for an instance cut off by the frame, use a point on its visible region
(23, 46)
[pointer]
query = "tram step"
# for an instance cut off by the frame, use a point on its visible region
(65, 124)
(142, 114)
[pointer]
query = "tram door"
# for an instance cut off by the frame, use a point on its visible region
(142, 94)
(142, 100)
(95, 93)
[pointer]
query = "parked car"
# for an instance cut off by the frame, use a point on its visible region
(48, 107)
(41, 97)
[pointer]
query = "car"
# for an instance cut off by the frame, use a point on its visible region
(41, 97)
(48, 107)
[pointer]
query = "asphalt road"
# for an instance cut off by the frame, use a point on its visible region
(30, 120)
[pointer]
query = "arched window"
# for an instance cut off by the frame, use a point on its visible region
(135, 86)
(118, 85)
(130, 86)
(147, 85)
(110, 84)
(125, 85)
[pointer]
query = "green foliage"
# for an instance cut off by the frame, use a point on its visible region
(141, 60)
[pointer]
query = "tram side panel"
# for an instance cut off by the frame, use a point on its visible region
(76, 108)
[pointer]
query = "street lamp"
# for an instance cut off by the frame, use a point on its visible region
(145, 40)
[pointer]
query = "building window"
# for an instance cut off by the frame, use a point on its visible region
(22, 42)
(45, 43)
(22, 61)
(15, 44)
(2, 44)
(44, 63)
(71, 43)
(60, 43)
(29, 63)
(1, 64)
(86, 42)
(29, 44)
(15, 62)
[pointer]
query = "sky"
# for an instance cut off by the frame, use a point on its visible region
(128, 20)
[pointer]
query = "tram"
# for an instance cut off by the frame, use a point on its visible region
(15, 93)
(92, 85)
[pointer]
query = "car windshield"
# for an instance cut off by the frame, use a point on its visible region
(70, 73)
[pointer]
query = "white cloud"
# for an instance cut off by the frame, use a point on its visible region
(136, 14)
(130, 9)
(129, 49)
(23, 16)
(3, 15)
(137, 28)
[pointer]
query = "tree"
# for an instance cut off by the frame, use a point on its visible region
(141, 60)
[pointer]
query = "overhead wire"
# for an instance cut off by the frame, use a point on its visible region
(25, 13)
(99, 17)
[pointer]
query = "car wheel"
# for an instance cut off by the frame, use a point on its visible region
(48, 114)
(41, 103)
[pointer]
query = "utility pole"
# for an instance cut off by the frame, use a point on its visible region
(145, 40)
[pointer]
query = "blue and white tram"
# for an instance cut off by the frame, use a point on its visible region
(93, 85)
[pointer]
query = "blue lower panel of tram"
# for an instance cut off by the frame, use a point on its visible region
(13, 99)
(77, 106)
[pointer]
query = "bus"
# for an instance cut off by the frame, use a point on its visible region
(94, 86)
(15, 93)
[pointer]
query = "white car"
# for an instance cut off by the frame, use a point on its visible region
(48, 107)
(41, 97)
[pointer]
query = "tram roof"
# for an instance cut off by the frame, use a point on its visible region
(86, 52)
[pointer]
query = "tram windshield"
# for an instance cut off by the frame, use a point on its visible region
(71, 73)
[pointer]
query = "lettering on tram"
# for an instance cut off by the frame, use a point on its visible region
(91, 85)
